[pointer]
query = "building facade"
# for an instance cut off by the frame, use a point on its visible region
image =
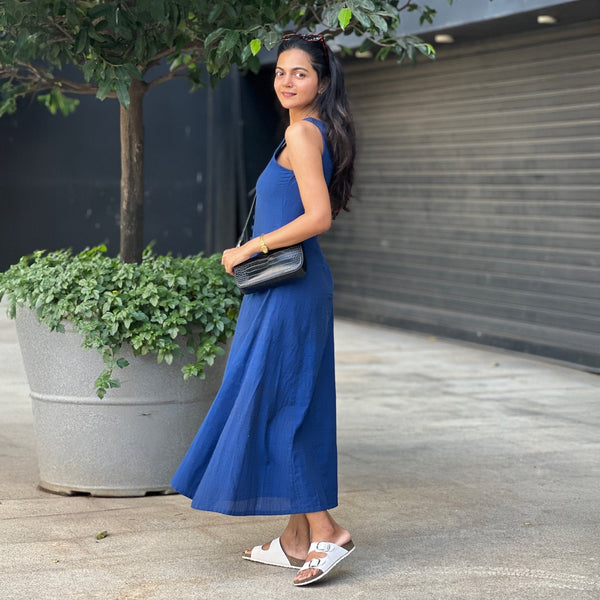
(477, 199)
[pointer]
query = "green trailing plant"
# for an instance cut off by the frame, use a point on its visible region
(165, 306)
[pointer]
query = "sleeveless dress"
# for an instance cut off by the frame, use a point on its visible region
(268, 444)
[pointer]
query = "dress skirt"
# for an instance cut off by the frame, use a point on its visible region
(268, 444)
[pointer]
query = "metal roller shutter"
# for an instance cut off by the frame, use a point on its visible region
(477, 210)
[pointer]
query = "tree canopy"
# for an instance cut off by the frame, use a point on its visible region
(112, 41)
(115, 46)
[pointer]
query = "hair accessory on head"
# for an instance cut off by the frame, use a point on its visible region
(309, 37)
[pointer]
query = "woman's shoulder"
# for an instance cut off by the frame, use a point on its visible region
(304, 132)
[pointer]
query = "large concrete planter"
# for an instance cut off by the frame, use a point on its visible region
(127, 444)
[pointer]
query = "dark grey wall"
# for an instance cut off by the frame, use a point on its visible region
(264, 123)
(59, 176)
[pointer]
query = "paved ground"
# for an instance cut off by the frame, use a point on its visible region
(464, 473)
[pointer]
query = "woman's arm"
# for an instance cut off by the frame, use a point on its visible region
(303, 154)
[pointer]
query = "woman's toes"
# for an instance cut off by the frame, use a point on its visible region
(306, 574)
(265, 547)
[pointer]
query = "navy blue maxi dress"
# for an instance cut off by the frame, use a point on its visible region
(268, 444)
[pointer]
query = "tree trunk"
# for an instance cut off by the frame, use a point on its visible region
(132, 174)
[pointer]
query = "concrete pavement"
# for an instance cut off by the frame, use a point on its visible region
(465, 473)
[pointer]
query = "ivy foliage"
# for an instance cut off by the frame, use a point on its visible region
(112, 41)
(165, 306)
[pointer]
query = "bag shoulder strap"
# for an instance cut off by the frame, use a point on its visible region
(244, 235)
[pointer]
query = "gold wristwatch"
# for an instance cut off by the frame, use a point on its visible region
(263, 246)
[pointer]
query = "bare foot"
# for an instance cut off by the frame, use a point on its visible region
(342, 539)
(294, 541)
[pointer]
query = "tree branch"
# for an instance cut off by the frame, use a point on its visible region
(173, 75)
(283, 16)
(191, 47)
(408, 4)
(77, 88)
(63, 31)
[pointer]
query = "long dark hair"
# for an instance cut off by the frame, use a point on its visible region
(332, 104)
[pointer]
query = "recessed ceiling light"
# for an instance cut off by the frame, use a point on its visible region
(443, 38)
(546, 20)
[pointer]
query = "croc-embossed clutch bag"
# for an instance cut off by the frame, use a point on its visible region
(269, 270)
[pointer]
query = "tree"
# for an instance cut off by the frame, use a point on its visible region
(116, 46)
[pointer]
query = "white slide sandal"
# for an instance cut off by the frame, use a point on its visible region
(274, 556)
(334, 554)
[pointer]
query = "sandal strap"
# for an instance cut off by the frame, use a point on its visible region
(333, 554)
(275, 555)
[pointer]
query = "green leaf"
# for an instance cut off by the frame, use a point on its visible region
(133, 71)
(139, 48)
(123, 93)
(427, 15)
(95, 35)
(99, 11)
(215, 12)
(228, 43)
(175, 63)
(56, 101)
(214, 35)
(368, 5)
(271, 39)
(9, 106)
(379, 22)
(363, 18)
(426, 49)
(344, 17)
(157, 9)
(255, 46)
(81, 42)
(104, 89)
(88, 70)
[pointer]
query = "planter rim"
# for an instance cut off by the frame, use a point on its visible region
(120, 401)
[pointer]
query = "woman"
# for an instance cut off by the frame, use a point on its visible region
(268, 444)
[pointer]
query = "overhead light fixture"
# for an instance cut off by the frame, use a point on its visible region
(546, 20)
(443, 38)
(363, 54)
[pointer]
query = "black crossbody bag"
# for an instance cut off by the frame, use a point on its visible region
(269, 270)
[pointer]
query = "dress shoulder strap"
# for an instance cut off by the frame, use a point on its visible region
(320, 124)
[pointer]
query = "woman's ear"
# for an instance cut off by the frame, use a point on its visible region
(323, 85)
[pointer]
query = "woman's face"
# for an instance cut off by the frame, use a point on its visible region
(296, 81)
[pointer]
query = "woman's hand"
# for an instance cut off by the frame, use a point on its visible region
(235, 256)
